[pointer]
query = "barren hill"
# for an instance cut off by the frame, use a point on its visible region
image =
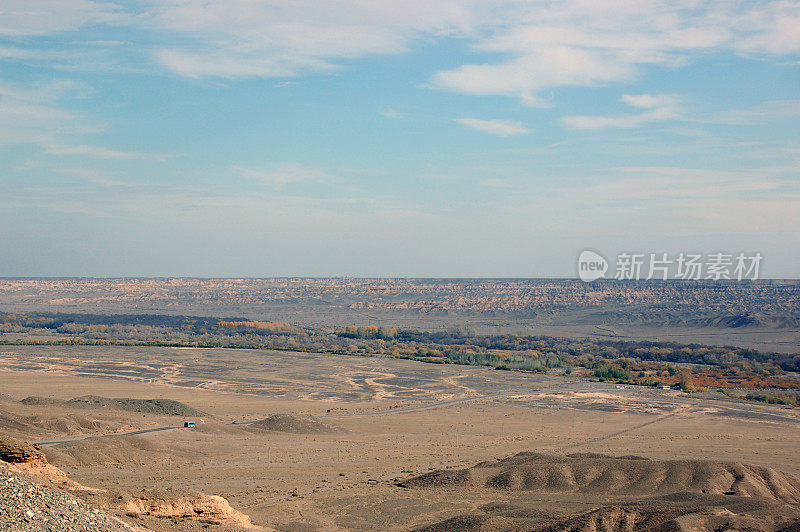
(297, 424)
(150, 406)
(633, 493)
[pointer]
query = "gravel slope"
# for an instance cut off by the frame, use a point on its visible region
(25, 506)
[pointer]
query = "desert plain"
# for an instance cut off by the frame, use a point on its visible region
(304, 441)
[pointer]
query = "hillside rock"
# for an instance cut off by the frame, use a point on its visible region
(16, 451)
(201, 507)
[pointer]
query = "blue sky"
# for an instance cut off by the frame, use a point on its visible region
(452, 138)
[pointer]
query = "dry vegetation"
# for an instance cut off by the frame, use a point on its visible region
(689, 367)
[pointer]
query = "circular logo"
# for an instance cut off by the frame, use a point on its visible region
(591, 266)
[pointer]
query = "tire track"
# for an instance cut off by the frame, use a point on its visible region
(630, 429)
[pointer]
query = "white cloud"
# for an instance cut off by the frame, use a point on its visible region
(283, 174)
(242, 38)
(770, 27)
(655, 108)
(526, 76)
(43, 17)
(537, 45)
(583, 43)
(501, 128)
(651, 101)
(546, 44)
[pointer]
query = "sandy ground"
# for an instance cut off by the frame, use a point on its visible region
(385, 428)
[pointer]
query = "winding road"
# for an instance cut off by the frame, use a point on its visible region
(356, 414)
(131, 433)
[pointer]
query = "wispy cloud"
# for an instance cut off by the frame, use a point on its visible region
(32, 115)
(282, 174)
(27, 54)
(538, 45)
(36, 115)
(577, 43)
(666, 184)
(42, 17)
(495, 183)
(655, 108)
(677, 187)
(98, 152)
(786, 109)
(241, 38)
(660, 204)
(501, 128)
(95, 177)
(390, 113)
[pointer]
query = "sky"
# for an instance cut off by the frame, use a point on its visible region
(455, 138)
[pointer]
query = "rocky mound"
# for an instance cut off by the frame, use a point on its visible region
(297, 424)
(606, 519)
(24, 457)
(439, 478)
(16, 451)
(200, 507)
(631, 493)
(166, 407)
(35, 400)
(619, 476)
(620, 518)
(26, 506)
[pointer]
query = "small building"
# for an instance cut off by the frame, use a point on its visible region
(189, 424)
(665, 387)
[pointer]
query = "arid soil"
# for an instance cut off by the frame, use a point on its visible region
(355, 443)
